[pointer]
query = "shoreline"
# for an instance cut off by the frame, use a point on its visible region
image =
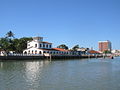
(3, 58)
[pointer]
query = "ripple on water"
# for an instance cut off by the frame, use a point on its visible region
(89, 74)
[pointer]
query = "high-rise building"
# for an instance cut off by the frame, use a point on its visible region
(105, 46)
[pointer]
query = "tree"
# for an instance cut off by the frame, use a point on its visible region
(63, 46)
(107, 52)
(10, 34)
(18, 45)
(21, 44)
(5, 45)
(75, 47)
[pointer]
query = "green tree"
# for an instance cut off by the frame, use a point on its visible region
(4, 44)
(107, 52)
(21, 44)
(10, 34)
(63, 46)
(75, 47)
(18, 45)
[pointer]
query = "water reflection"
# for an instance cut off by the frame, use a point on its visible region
(33, 71)
(1, 64)
(93, 74)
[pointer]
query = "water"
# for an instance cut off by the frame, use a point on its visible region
(86, 74)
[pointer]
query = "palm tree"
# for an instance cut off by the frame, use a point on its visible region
(75, 47)
(10, 34)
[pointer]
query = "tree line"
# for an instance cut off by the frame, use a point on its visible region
(10, 43)
(63, 46)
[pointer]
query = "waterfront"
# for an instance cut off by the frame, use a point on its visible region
(77, 74)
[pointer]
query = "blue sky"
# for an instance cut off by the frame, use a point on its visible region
(70, 22)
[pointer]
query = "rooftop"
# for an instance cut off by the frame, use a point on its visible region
(60, 49)
(104, 41)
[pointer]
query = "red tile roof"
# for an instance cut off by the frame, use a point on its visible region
(94, 52)
(60, 49)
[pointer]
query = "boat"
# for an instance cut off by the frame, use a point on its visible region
(111, 57)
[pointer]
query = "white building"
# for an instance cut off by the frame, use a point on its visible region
(38, 47)
(2, 53)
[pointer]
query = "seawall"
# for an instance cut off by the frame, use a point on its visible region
(20, 57)
(46, 57)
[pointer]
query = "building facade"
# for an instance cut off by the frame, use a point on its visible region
(39, 47)
(105, 46)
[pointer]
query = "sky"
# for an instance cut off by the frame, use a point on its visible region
(70, 22)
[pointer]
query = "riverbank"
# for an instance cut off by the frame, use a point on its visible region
(48, 57)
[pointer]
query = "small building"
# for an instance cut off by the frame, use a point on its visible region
(93, 52)
(2, 53)
(83, 50)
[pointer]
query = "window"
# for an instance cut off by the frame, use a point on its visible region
(39, 52)
(29, 52)
(35, 45)
(28, 44)
(40, 45)
(43, 45)
(25, 52)
(47, 46)
(67, 52)
(35, 51)
(50, 46)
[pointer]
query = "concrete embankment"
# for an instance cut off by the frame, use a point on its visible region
(46, 57)
(74, 57)
(20, 57)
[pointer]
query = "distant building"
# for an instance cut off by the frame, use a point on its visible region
(105, 46)
(93, 52)
(83, 50)
(115, 51)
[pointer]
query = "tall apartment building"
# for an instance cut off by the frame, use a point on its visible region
(105, 46)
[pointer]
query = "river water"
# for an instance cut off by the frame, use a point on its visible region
(77, 74)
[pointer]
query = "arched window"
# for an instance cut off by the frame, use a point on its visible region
(35, 51)
(35, 45)
(29, 52)
(32, 51)
(40, 52)
(43, 45)
(47, 46)
(25, 52)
